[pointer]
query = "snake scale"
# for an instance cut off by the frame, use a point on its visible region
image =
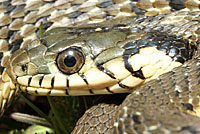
(84, 39)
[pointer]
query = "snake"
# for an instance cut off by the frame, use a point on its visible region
(148, 48)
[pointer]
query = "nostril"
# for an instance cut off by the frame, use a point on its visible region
(24, 68)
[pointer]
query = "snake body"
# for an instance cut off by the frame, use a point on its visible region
(34, 63)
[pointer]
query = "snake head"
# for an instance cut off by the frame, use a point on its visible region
(95, 59)
(66, 62)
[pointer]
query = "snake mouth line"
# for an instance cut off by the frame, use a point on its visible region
(73, 92)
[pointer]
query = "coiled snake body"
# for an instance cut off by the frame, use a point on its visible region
(116, 54)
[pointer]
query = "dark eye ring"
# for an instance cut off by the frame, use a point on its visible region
(71, 60)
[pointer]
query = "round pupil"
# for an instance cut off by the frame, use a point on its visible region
(70, 61)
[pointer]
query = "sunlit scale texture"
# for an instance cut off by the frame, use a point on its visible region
(173, 95)
(98, 122)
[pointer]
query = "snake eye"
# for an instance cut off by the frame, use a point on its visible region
(71, 60)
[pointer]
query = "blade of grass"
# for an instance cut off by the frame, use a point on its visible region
(30, 119)
(42, 114)
(57, 131)
(41, 29)
(57, 115)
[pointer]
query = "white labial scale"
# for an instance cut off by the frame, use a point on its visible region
(58, 92)
(132, 81)
(42, 91)
(46, 82)
(137, 61)
(101, 91)
(98, 79)
(23, 80)
(148, 71)
(60, 81)
(117, 89)
(162, 66)
(159, 61)
(78, 92)
(38, 91)
(143, 58)
(151, 69)
(76, 82)
(156, 57)
(35, 80)
(117, 67)
(31, 90)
